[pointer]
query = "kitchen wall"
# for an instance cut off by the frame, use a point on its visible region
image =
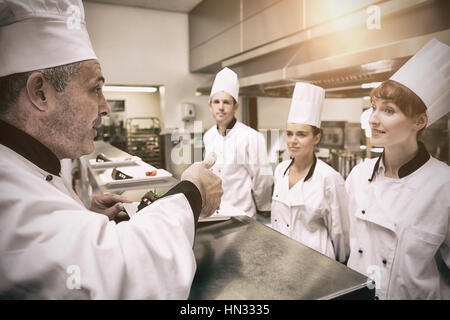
(137, 104)
(148, 47)
(273, 112)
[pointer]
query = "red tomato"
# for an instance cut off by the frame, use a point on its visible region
(150, 173)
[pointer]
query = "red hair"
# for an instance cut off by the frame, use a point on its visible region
(409, 102)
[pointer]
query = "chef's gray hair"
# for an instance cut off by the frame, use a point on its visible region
(10, 86)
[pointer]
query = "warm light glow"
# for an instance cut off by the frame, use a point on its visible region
(370, 85)
(129, 89)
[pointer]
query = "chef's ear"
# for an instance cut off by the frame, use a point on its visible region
(210, 104)
(36, 90)
(421, 121)
(236, 105)
(317, 138)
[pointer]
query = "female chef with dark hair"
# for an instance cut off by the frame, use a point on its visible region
(399, 203)
(309, 203)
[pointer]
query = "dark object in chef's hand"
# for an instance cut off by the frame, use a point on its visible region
(119, 175)
(148, 198)
(102, 158)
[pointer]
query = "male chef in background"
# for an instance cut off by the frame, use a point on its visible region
(51, 247)
(242, 161)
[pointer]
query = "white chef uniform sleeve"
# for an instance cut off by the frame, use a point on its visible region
(169, 223)
(157, 253)
(260, 172)
(53, 248)
(192, 195)
(339, 225)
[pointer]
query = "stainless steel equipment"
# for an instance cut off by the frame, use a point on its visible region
(344, 161)
(343, 139)
(243, 259)
(315, 42)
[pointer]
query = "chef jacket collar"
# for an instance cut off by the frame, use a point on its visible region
(229, 127)
(415, 163)
(310, 172)
(29, 148)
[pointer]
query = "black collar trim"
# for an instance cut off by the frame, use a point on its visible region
(29, 148)
(310, 172)
(375, 168)
(421, 157)
(229, 126)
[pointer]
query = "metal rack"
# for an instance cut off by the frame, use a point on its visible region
(144, 141)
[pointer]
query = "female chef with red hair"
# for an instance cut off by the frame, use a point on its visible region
(399, 202)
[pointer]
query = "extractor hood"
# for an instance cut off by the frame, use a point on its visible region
(342, 57)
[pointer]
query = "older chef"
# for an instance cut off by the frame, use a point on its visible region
(51, 247)
(399, 202)
(309, 202)
(242, 161)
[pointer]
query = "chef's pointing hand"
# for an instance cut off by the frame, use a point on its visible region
(209, 185)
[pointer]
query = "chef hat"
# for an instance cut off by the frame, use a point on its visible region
(41, 34)
(427, 75)
(306, 105)
(226, 80)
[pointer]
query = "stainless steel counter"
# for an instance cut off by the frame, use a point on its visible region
(243, 259)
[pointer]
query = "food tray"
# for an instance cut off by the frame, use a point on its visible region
(120, 161)
(137, 171)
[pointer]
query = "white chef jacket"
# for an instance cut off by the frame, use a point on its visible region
(399, 232)
(51, 247)
(243, 166)
(314, 210)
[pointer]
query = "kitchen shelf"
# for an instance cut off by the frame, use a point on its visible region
(144, 139)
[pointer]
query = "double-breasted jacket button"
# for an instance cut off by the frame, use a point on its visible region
(49, 177)
(363, 211)
(384, 261)
(360, 250)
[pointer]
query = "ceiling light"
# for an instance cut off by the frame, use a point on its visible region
(370, 85)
